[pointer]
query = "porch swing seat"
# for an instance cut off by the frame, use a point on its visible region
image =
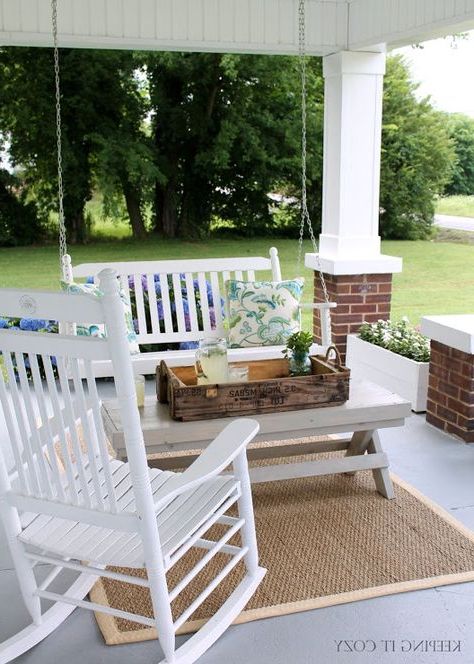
(178, 326)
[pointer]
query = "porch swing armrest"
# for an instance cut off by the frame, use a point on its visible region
(318, 305)
(227, 445)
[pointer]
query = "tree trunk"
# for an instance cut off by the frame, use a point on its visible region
(166, 217)
(132, 201)
(76, 226)
(194, 219)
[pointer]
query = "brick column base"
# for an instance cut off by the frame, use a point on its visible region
(360, 298)
(450, 404)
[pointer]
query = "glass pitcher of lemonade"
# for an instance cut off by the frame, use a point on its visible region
(211, 362)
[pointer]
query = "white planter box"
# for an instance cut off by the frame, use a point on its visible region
(396, 373)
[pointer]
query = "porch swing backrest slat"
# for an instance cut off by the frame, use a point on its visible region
(184, 297)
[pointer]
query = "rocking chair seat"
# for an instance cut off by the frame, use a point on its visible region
(178, 521)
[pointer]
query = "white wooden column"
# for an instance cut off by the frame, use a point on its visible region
(350, 242)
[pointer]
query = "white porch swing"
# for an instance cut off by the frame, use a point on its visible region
(177, 326)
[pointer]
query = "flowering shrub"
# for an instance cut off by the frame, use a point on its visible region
(30, 325)
(172, 297)
(399, 337)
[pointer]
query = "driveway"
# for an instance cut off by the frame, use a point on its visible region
(455, 223)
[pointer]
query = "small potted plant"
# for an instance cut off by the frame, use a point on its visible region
(297, 353)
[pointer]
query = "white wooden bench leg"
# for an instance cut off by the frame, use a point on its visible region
(359, 443)
(382, 478)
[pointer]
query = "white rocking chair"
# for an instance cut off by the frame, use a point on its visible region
(81, 510)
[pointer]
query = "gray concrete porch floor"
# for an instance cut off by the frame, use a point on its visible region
(437, 465)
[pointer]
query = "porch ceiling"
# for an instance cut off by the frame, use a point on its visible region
(248, 26)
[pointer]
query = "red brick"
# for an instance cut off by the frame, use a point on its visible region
(448, 388)
(467, 369)
(446, 362)
(461, 355)
(342, 309)
(346, 299)
(433, 381)
(431, 406)
(346, 278)
(354, 327)
(435, 421)
(467, 397)
(363, 308)
(379, 297)
(351, 318)
(437, 397)
(439, 372)
(340, 329)
(463, 382)
(446, 414)
(465, 409)
(385, 288)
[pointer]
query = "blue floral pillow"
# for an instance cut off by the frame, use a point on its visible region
(263, 313)
(92, 330)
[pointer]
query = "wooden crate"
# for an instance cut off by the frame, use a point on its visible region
(270, 388)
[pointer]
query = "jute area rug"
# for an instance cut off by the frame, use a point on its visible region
(325, 541)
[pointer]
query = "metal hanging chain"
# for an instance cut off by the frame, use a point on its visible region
(62, 224)
(305, 216)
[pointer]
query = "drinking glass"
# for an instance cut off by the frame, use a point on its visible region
(211, 362)
(140, 390)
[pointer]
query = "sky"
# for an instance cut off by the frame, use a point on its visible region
(444, 68)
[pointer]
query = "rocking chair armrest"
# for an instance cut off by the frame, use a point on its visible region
(216, 457)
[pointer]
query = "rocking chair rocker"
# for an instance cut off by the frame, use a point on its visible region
(81, 510)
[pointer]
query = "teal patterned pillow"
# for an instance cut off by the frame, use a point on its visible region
(262, 313)
(88, 330)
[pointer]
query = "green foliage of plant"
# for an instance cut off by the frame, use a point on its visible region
(298, 344)
(461, 131)
(175, 140)
(399, 337)
(97, 100)
(19, 224)
(417, 157)
(226, 131)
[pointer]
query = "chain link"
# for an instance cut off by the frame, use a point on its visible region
(305, 216)
(62, 224)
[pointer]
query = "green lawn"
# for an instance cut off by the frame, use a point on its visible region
(438, 277)
(458, 206)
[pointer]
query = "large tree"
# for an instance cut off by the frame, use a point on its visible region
(96, 87)
(417, 156)
(227, 132)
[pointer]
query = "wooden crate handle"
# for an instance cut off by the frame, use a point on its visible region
(337, 360)
(163, 383)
